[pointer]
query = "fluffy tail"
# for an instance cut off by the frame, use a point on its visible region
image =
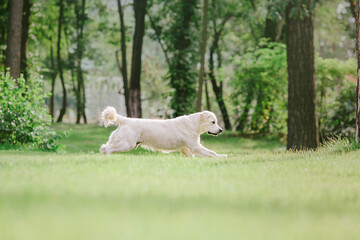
(110, 116)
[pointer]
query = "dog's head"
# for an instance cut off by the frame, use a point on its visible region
(208, 123)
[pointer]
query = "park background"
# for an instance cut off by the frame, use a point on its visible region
(280, 76)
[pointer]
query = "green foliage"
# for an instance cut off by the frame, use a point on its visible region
(260, 92)
(24, 120)
(260, 88)
(3, 29)
(178, 21)
(335, 81)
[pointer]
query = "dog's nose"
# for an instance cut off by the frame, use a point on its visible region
(220, 130)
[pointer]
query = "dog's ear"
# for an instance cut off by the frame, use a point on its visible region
(204, 116)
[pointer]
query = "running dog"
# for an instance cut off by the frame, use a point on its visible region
(177, 134)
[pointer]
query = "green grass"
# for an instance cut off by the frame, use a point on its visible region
(258, 192)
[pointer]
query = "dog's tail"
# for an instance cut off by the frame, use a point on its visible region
(110, 116)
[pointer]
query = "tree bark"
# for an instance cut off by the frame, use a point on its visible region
(202, 57)
(80, 90)
(59, 61)
(135, 90)
(218, 88)
(25, 36)
(253, 4)
(53, 78)
(13, 50)
(273, 28)
(5, 9)
(208, 106)
(123, 67)
(353, 8)
(357, 115)
(243, 119)
(182, 77)
(302, 120)
(158, 37)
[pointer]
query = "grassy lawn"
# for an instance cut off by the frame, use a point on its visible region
(258, 192)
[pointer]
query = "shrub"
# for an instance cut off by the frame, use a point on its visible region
(260, 89)
(23, 119)
(260, 92)
(335, 81)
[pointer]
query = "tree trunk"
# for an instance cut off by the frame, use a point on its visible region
(123, 66)
(80, 90)
(53, 78)
(182, 77)
(273, 27)
(158, 37)
(13, 50)
(302, 121)
(208, 106)
(353, 8)
(243, 119)
(24, 37)
(358, 72)
(59, 61)
(202, 57)
(135, 91)
(5, 9)
(218, 90)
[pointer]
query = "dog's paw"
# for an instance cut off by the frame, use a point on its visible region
(102, 149)
(222, 155)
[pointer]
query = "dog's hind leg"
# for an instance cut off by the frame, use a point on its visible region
(186, 151)
(123, 139)
(120, 147)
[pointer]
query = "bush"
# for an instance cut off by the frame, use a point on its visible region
(260, 89)
(260, 92)
(335, 81)
(24, 120)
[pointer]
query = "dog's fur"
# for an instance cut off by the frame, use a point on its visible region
(177, 134)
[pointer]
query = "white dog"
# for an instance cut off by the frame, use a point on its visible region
(178, 134)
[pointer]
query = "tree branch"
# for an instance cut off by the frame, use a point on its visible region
(158, 37)
(353, 8)
(253, 4)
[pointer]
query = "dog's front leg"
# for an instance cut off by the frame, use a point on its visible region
(202, 151)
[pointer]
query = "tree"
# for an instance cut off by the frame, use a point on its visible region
(13, 50)
(123, 65)
(274, 22)
(202, 57)
(25, 36)
(353, 8)
(59, 61)
(357, 129)
(175, 24)
(53, 78)
(302, 121)
(80, 89)
(181, 69)
(4, 15)
(135, 90)
(215, 49)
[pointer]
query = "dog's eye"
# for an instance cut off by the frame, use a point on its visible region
(213, 122)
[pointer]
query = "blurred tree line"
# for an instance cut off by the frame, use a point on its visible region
(269, 66)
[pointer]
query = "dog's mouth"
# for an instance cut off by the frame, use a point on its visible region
(211, 133)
